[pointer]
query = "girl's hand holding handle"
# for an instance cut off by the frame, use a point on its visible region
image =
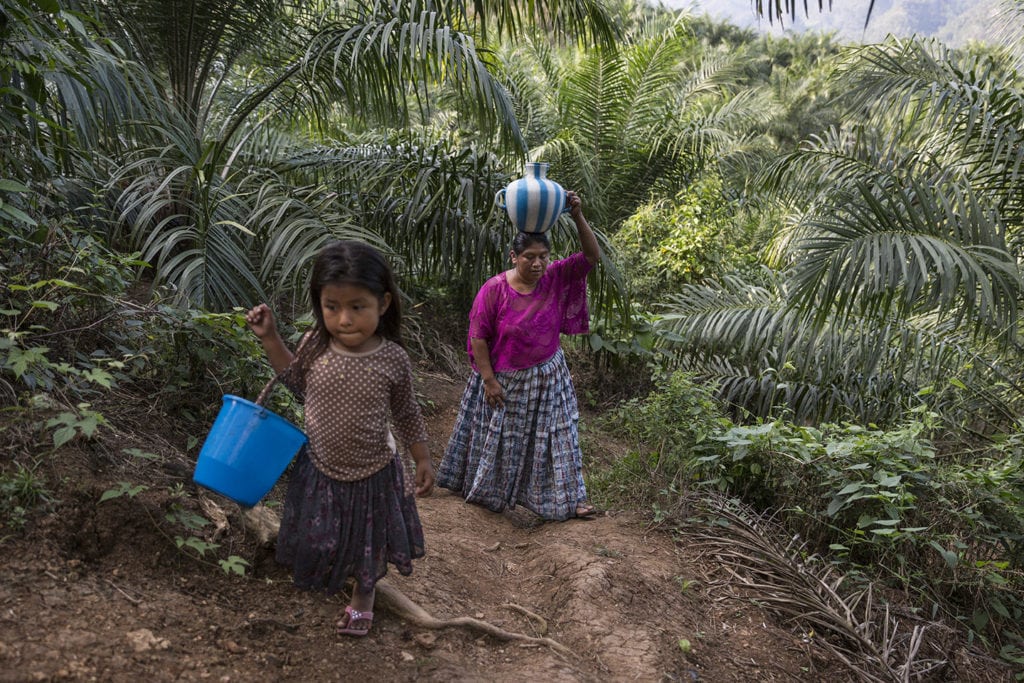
(261, 320)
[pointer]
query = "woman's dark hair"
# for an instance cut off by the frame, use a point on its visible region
(524, 240)
(348, 262)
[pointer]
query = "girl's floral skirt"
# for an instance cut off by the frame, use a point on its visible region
(527, 453)
(334, 530)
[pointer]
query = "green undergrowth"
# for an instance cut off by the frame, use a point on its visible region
(88, 352)
(190, 531)
(22, 490)
(82, 338)
(945, 527)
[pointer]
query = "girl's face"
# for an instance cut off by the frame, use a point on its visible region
(352, 314)
(531, 263)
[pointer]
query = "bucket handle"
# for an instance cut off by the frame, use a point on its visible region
(265, 392)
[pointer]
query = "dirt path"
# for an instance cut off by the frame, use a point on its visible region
(97, 591)
(604, 588)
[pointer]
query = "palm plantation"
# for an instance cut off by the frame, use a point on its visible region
(811, 251)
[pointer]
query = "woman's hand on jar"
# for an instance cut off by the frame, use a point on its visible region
(575, 204)
(494, 393)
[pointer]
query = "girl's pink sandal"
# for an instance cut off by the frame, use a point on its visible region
(354, 616)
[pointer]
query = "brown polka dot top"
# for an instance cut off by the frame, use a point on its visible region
(352, 401)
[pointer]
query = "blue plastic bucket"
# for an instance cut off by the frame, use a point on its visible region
(246, 451)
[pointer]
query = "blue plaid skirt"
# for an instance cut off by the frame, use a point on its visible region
(526, 453)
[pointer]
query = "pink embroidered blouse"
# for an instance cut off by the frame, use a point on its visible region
(522, 330)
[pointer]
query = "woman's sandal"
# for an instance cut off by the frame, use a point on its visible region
(351, 616)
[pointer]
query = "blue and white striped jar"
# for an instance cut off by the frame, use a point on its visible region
(533, 202)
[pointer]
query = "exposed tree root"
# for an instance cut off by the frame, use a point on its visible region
(397, 602)
(536, 617)
(263, 522)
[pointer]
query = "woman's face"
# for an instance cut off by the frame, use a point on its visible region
(531, 263)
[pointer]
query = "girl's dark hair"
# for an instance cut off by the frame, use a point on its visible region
(348, 262)
(524, 240)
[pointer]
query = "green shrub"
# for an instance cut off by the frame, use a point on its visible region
(837, 483)
(21, 490)
(666, 244)
(193, 357)
(75, 324)
(948, 527)
(672, 427)
(60, 313)
(945, 526)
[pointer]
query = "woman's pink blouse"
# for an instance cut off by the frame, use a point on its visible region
(522, 330)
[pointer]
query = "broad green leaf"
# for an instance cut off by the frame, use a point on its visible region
(140, 454)
(951, 558)
(850, 488)
(63, 435)
(100, 377)
(997, 579)
(999, 607)
(124, 488)
(888, 481)
(16, 214)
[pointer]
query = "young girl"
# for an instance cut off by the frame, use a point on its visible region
(348, 511)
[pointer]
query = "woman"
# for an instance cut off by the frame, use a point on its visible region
(516, 441)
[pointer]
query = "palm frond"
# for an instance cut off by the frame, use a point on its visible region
(873, 643)
(63, 91)
(952, 103)
(908, 248)
(381, 61)
(526, 70)
(778, 10)
(586, 21)
(432, 205)
(764, 357)
(193, 43)
(1010, 31)
(291, 224)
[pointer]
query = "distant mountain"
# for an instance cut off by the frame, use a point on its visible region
(955, 22)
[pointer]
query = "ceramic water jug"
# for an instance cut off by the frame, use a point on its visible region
(533, 202)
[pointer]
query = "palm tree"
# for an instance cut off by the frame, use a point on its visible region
(61, 92)
(778, 11)
(620, 125)
(902, 227)
(616, 123)
(234, 71)
(741, 335)
(917, 210)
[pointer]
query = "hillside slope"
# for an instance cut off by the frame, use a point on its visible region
(100, 591)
